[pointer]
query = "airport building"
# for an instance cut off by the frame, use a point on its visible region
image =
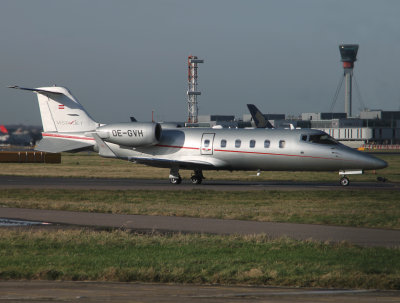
(371, 127)
(376, 127)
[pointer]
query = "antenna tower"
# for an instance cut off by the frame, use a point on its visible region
(192, 92)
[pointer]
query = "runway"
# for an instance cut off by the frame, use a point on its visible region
(151, 184)
(68, 291)
(359, 236)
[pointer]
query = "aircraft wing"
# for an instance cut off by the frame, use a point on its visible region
(167, 163)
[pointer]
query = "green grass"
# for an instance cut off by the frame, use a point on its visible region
(361, 208)
(120, 256)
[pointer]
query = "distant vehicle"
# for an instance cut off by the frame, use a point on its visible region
(68, 127)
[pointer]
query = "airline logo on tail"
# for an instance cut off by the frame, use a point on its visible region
(3, 129)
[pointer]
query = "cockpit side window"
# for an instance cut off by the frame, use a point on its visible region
(322, 139)
(304, 138)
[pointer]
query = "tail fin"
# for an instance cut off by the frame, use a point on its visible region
(258, 117)
(60, 111)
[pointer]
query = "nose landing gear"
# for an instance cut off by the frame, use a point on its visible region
(344, 181)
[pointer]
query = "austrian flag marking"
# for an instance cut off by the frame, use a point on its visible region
(61, 106)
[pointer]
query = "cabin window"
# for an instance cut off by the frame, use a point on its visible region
(266, 143)
(252, 143)
(282, 143)
(238, 143)
(223, 143)
(303, 137)
(206, 143)
(323, 139)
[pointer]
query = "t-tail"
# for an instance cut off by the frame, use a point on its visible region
(64, 120)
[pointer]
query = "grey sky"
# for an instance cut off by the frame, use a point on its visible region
(122, 58)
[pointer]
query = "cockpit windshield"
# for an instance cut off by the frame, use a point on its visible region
(322, 139)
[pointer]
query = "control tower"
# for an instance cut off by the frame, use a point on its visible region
(348, 52)
(192, 92)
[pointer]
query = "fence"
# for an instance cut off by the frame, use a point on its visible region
(29, 157)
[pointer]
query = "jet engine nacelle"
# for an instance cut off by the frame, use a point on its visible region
(132, 134)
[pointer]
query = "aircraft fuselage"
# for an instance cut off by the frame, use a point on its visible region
(248, 149)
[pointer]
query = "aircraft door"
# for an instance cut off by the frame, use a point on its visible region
(207, 141)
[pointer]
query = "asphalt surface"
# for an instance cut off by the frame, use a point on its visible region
(359, 236)
(63, 291)
(68, 291)
(134, 184)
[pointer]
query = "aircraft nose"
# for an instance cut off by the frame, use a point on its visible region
(374, 163)
(379, 163)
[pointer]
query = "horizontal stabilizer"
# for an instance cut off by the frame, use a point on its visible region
(55, 145)
(36, 90)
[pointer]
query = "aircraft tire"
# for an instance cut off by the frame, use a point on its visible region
(196, 180)
(344, 181)
(175, 180)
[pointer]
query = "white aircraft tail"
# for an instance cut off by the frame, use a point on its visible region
(60, 110)
(64, 120)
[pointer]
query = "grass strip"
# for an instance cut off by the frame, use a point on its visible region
(377, 209)
(121, 256)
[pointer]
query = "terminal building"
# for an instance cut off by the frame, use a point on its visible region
(371, 127)
(376, 127)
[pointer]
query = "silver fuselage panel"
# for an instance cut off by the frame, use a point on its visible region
(247, 149)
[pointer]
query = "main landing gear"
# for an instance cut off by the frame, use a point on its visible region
(197, 176)
(175, 178)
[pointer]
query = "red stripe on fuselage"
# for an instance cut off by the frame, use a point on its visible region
(248, 152)
(196, 148)
(273, 154)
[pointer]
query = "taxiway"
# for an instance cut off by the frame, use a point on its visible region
(65, 291)
(154, 184)
(359, 236)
